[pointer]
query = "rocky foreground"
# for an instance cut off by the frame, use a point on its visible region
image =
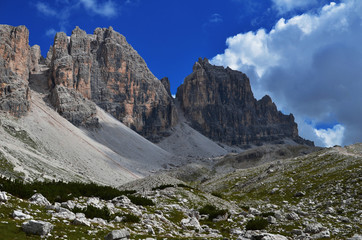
(315, 196)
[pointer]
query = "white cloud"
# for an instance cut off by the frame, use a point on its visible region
(45, 9)
(288, 5)
(215, 18)
(309, 64)
(107, 9)
(51, 32)
(331, 136)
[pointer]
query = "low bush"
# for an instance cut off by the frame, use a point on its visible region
(93, 212)
(130, 218)
(212, 211)
(161, 187)
(258, 223)
(140, 201)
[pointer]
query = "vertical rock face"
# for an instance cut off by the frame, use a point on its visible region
(220, 104)
(103, 67)
(15, 61)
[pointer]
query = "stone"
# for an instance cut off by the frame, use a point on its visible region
(3, 197)
(313, 228)
(191, 222)
(356, 237)
(39, 199)
(219, 103)
(292, 216)
(117, 235)
(105, 69)
(268, 236)
(254, 211)
(299, 194)
(272, 220)
(322, 235)
(81, 221)
(37, 227)
(15, 61)
(18, 214)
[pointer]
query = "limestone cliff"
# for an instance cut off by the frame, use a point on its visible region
(15, 62)
(104, 68)
(219, 103)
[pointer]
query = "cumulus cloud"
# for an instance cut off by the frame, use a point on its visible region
(331, 136)
(106, 9)
(310, 65)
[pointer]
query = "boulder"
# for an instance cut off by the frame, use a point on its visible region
(118, 235)
(37, 227)
(18, 214)
(39, 199)
(3, 197)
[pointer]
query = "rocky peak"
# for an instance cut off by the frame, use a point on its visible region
(104, 68)
(219, 103)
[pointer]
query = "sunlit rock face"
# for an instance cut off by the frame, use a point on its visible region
(104, 68)
(219, 103)
(15, 62)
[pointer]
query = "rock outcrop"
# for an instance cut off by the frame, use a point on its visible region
(104, 68)
(15, 61)
(219, 103)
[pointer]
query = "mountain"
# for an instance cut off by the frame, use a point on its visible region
(219, 103)
(105, 69)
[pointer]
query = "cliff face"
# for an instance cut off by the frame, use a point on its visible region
(104, 68)
(219, 103)
(15, 62)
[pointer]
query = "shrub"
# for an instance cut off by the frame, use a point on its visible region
(130, 218)
(257, 223)
(93, 212)
(212, 211)
(161, 187)
(267, 214)
(217, 194)
(141, 201)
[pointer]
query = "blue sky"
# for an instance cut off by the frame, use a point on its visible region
(304, 53)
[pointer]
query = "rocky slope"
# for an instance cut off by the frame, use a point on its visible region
(104, 68)
(315, 196)
(219, 103)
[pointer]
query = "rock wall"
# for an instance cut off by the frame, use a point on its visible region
(104, 68)
(219, 103)
(15, 62)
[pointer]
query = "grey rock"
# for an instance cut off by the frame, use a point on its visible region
(18, 214)
(82, 221)
(272, 220)
(292, 216)
(117, 235)
(37, 227)
(356, 237)
(313, 228)
(3, 197)
(39, 199)
(321, 235)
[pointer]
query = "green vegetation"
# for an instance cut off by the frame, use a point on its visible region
(141, 201)
(212, 211)
(93, 212)
(161, 187)
(258, 223)
(130, 218)
(61, 191)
